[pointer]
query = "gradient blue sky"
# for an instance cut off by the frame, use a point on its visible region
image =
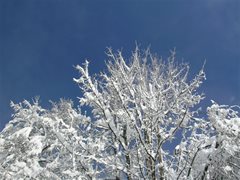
(41, 40)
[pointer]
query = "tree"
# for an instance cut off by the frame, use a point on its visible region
(40, 144)
(145, 108)
(224, 160)
(144, 124)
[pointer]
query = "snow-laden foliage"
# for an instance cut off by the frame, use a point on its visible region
(145, 124)
(42, 144)
(224, 161)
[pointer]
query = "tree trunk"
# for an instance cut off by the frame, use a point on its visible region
(161, 168)
(128, 161)
(149, 161)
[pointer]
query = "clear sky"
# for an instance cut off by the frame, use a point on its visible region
(41, 41)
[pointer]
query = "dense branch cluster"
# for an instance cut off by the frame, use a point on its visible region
(144, 124)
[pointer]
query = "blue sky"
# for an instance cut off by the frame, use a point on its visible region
(41, 41)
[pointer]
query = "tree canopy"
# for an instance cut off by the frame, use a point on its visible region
(145, 123)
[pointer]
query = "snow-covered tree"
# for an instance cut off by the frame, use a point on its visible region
(146, 110)
(145, 124)
(42, 144)
(224, 160)
(140, 107)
